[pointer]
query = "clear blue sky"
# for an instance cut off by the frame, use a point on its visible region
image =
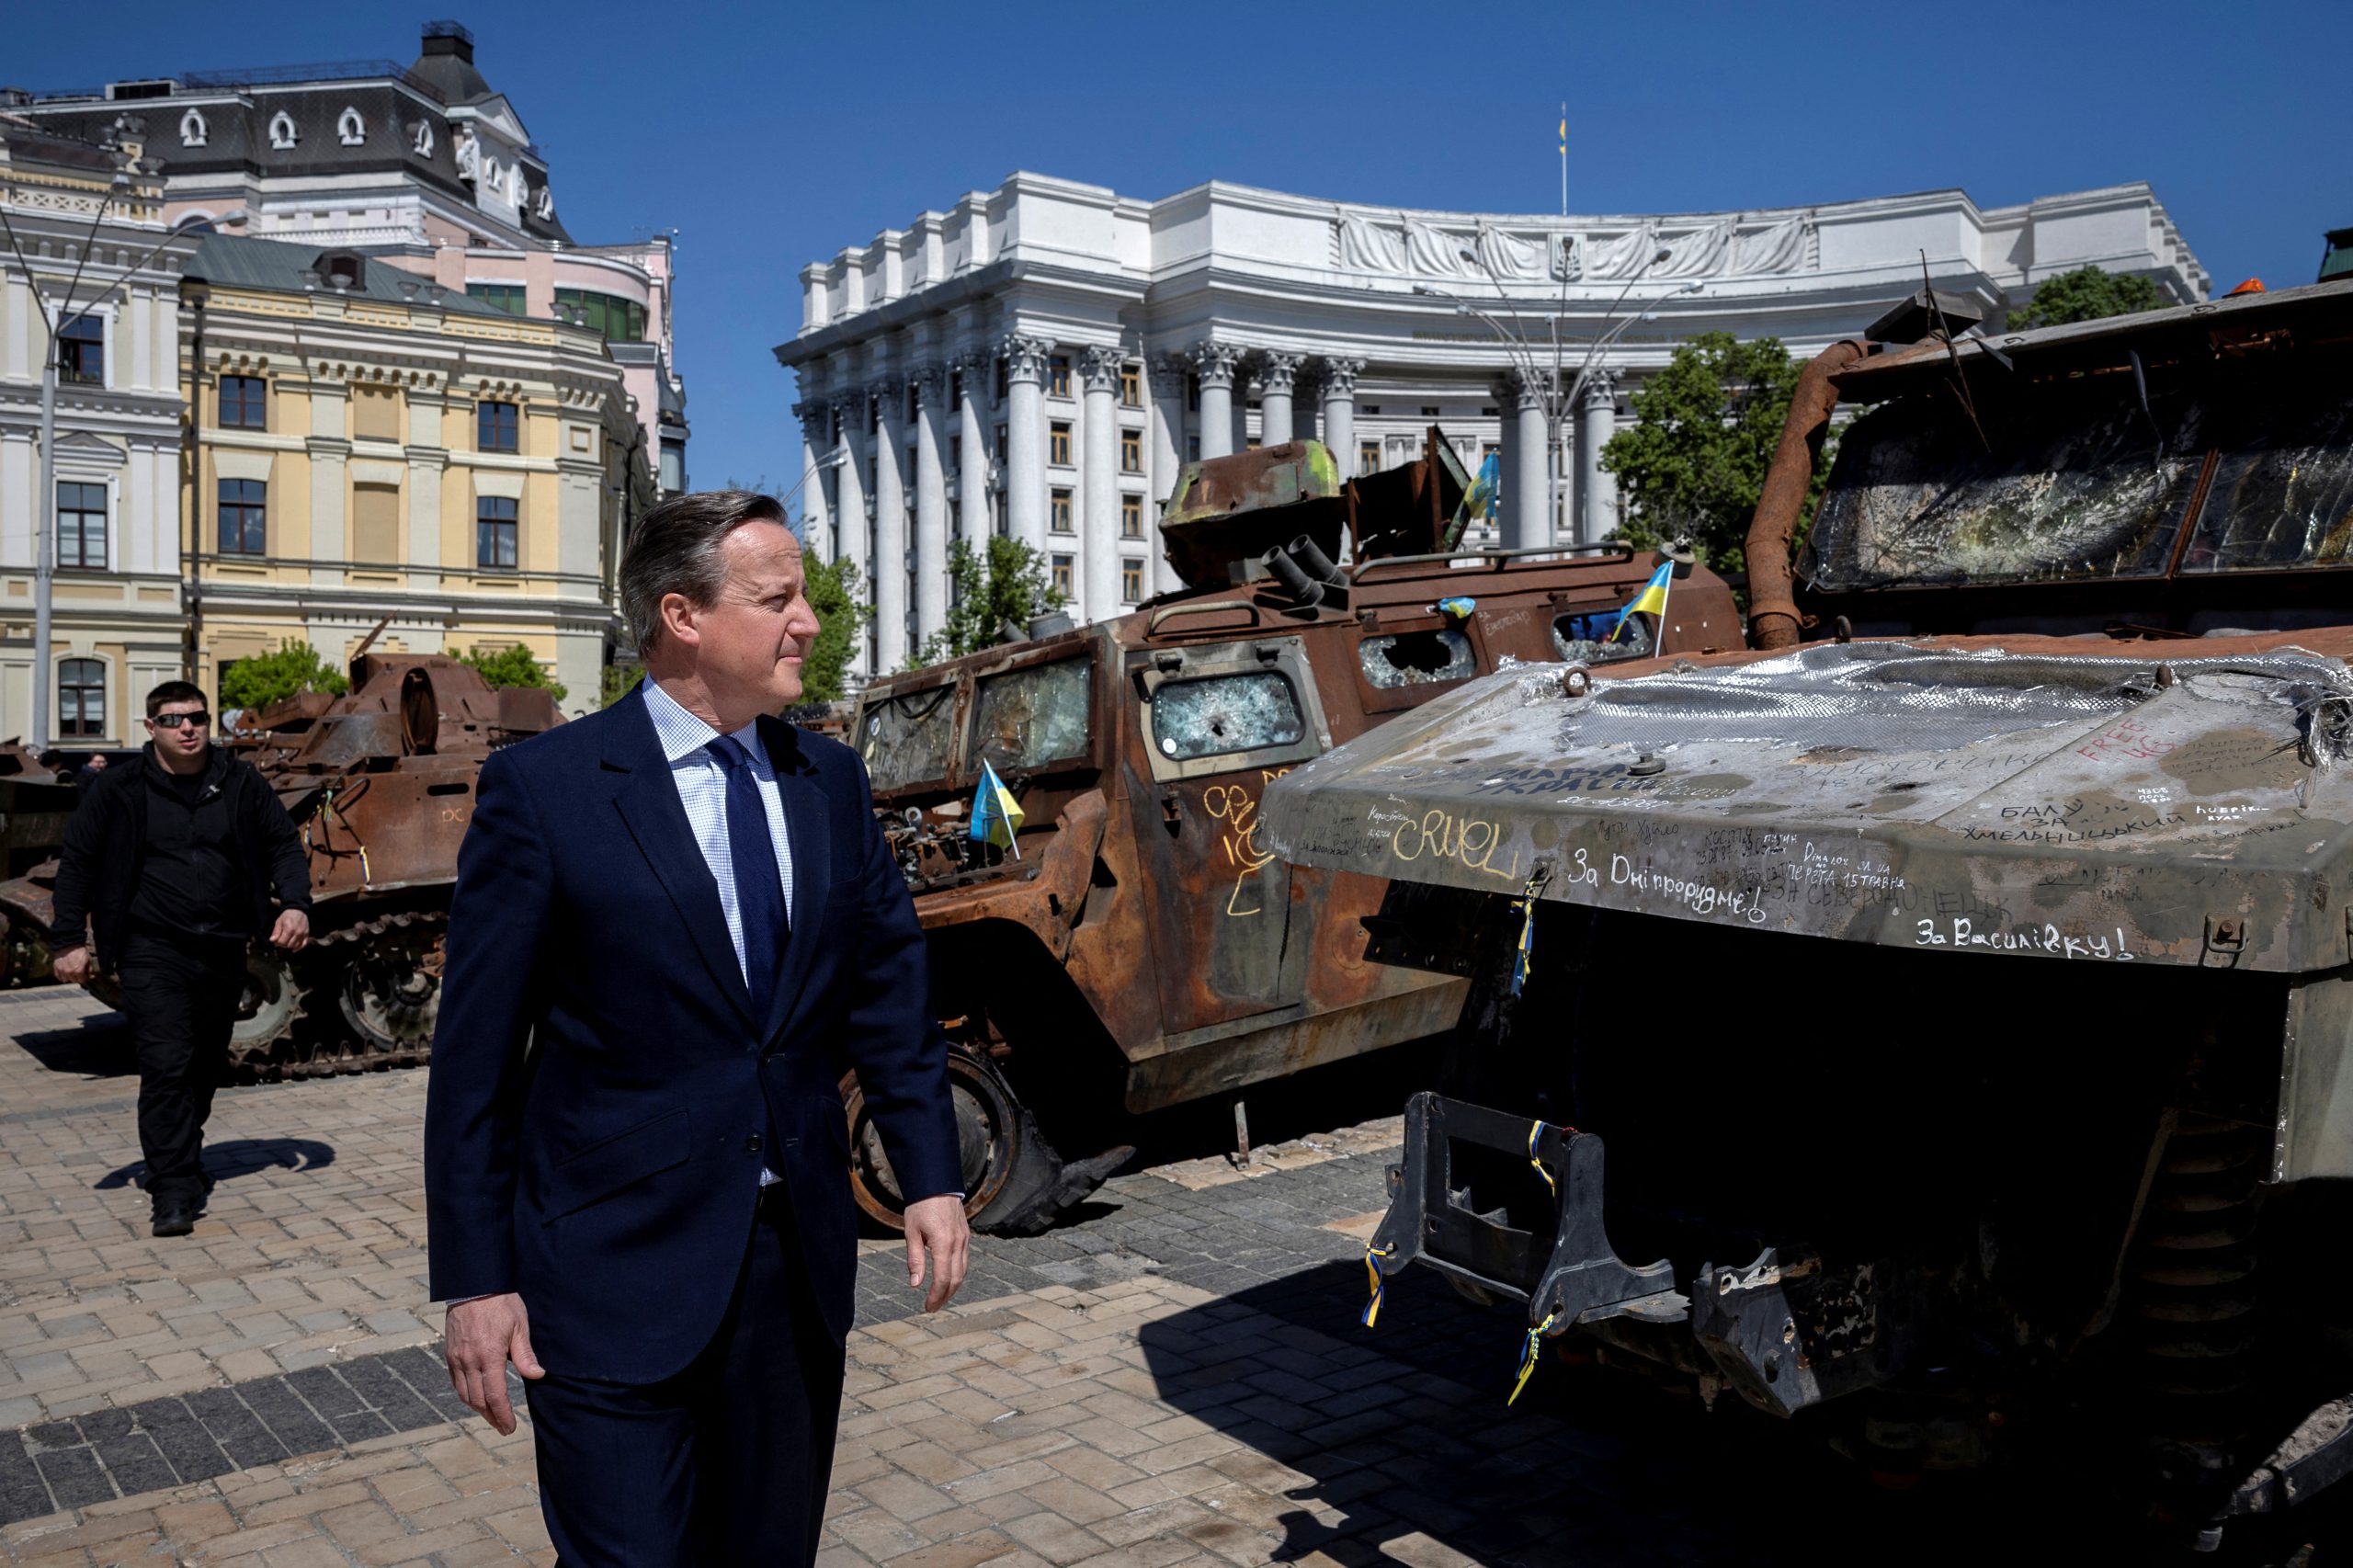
(770, 135)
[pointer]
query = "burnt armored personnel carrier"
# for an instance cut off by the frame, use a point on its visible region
(1141, 947)
(1963, 996)
(380, 783)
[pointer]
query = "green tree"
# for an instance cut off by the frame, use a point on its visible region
(1693, 462)
(617, 682)
(272, 677)
(833, 590)
(2086, 294)
(987, 590)
(512, 666)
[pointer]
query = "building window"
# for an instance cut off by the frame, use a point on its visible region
(956, 387)
(1058, 375)
(497, 427)
(1004, 381)
(1064, 575)
(1430, 411)
(1130, 386)
(1367, 456)
(621, 320)
(494, 531)
(673, 467)
(1131, 451)
(81, 698)
(1193, 394)
(1486, 413)
(1058, 443)
(1003, 445)
(507, 297)
(1058, 510)
(1132, 517)
(1192, 448)
(874, 472)
(1131, 579)
(1251, 445)
(245, 403)
(243, 518)
(1372, 408)
(914, 405)
(82, 526)
(82, 352)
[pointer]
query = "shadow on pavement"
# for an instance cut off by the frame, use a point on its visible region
(1401, 1432)
(237, 1157)
(99, 1046)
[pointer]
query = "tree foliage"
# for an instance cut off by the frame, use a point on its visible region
(2086, 294)
(617, 682)
(266, 678)
(512, 666)
(1692, 464)
(832, 587)
(1005, 584)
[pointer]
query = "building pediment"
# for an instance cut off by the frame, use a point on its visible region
(81, 450)
(496, 115)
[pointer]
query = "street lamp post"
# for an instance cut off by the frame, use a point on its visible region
(55, 320)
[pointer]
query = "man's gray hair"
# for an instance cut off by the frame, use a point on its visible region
(675, 549)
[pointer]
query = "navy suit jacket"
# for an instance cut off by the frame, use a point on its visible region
(598, 1108)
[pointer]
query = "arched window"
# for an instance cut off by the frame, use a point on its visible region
(282, 134)
(349, 129)
(81, 698)
(423, 145)
(192, 130)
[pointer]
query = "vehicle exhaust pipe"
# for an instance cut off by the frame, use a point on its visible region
(1772, 601)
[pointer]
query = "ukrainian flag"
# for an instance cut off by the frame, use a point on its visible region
(1479, 499)
(1651, 600)
(996, 815)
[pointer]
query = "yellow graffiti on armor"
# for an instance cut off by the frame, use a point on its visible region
(1441, 835)
(1233, 805)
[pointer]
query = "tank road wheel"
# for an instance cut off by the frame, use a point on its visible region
(267, 1010)
(988, 1137)
(392, 990)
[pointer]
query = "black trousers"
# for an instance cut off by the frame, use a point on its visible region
(180, 993)
(727, 1464)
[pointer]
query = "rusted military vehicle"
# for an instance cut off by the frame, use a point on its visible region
(1140, 947)
(380, 783)
(1964, 996)
(35, 801)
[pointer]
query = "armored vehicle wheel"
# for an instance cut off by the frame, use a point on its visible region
(267, 1010)
(390, 992)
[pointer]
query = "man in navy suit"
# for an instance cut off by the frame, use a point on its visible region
(676, 924)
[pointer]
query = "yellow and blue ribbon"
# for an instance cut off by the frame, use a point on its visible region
(1528, 1357)
(1536, 1131)
(1372, 1279)
(1526, 905)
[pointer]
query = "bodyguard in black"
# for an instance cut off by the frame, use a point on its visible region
(175, 861)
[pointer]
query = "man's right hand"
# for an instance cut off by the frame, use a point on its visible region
(480, 1337)
(72, 966)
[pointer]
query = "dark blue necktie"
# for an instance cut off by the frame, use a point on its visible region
(759, 893)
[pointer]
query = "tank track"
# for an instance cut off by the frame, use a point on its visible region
(318, 1042)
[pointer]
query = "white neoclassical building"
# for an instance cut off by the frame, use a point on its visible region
(1041, 359)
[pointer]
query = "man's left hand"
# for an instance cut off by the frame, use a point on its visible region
(935, 1225)
(292, 932)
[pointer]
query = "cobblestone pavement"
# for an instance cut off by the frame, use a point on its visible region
(1178, 1378)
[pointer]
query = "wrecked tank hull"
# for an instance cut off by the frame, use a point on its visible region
(1965, 1011)
(1140, 947)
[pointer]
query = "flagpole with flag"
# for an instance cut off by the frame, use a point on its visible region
(1564, 157)
(1651, 600)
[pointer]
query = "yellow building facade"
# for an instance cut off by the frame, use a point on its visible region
(364, 444)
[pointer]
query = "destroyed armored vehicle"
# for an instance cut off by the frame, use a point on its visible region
(380, 785)
(1138, 947)
(1963, 996)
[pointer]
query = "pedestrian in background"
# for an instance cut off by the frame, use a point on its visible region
(175, 861)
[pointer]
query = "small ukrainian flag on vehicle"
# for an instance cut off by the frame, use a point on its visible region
(996, 815)
(1651, 600)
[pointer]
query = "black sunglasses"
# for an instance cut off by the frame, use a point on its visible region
(174, 720)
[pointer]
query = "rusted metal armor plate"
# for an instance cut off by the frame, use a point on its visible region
(2077, 802)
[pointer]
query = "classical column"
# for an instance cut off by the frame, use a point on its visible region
(1025, 477)
(853, 527)
(1340, 412)
(1169, 375)
(930, 383)
(1527, 488)
(1213, 362)
(1278, 372)
(1098, 482)
(891, 527)
(972, 448)
(816, 439)
(1597, 489)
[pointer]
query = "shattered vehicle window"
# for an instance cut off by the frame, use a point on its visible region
(2074, 484)
(1592, 637)
(2284, 495)
(904, 738)
(1029, 717)
(1417, 658)
(1223, 714)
